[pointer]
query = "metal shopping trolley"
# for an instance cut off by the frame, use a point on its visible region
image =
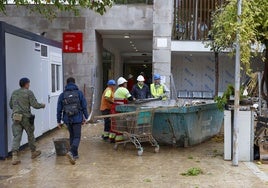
(136, 128)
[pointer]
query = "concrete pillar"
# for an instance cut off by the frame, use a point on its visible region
(162, 33)
(118, 65)
(98, 84)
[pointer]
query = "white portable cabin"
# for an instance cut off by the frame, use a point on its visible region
(25, 54)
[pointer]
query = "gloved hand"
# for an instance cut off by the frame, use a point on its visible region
(160, 98)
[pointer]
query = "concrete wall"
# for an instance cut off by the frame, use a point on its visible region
(162, 32)
(85, 67)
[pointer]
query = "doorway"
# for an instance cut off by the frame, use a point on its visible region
(107, 66)
(126, 52)
(136, 69)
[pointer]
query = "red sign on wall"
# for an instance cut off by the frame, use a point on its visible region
(72, 42)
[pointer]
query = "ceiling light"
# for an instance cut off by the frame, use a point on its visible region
(132, 45)
(130, 42)
(126, 36)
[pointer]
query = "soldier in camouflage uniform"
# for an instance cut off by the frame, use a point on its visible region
(21, 102)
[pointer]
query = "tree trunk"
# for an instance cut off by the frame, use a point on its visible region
(216, 54)
(265, 75)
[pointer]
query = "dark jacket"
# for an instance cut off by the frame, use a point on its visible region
(140, 93)
(78, 118)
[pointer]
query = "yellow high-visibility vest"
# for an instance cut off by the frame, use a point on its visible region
(122, 93)
(157, 91)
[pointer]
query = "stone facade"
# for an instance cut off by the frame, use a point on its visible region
(86, 67)
(162, 32)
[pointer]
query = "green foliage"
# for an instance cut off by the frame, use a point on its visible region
(195, 171)
(147, 180)
(252, 29)
(50, 8)
(223, 100)
(190, 157)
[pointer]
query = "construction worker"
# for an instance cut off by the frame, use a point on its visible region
(130, 82)
(121, 95)
(21, 102)
(72, 109)
(140, 90)
(158, 90)
(122, 92)
(107, 100)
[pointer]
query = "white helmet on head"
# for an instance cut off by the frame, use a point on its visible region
(121, 80)
(140, 78)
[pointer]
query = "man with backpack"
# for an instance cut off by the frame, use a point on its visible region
(72, 109)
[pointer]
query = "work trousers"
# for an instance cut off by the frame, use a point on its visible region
(17, 130)
(75, 137)
(107, 121)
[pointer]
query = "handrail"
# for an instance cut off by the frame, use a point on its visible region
(192, 20)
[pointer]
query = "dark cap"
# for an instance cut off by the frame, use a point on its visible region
(24, 81)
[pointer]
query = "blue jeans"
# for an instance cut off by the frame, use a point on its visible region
(75, 137)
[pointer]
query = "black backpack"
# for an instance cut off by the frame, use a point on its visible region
(71, 103)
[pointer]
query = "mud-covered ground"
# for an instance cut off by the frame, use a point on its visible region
(100, 165)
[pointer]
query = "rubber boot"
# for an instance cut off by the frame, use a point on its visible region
(15, 158)
(35, 154)
(119, 138)
(112, 137)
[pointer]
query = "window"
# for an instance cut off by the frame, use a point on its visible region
(58, 77)
(44, 52)
(193, 18)
(55, 78)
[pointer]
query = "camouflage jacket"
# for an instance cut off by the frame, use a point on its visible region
(22, 100)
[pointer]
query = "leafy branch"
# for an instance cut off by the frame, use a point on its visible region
(50, 8)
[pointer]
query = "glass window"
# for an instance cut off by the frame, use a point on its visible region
(58, 77)
(55, 78)
(193, 18)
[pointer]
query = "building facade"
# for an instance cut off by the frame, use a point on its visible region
(161, 36)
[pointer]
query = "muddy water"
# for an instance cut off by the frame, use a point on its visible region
(100, 166)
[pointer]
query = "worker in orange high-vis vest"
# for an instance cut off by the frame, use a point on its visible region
(107, 100)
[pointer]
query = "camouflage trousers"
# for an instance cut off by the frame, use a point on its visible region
(17, 130)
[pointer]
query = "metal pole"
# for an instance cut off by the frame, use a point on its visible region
(237, 89)
(195, 20)
(259, 85)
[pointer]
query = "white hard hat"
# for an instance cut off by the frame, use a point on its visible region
(130, 76)
(140, 78)
(121, 80)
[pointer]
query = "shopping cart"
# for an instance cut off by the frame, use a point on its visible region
(136, 127)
